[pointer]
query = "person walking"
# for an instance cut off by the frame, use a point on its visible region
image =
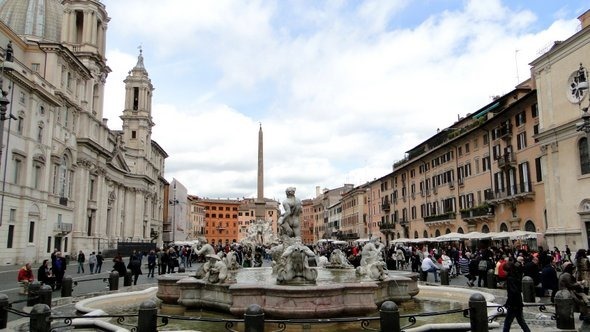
(151, 263)
(135, 267)
(92, 261)
(99, 260)
(58, 267)
(81, 260)
(514, 303)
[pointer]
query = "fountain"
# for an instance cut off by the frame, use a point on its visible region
(290, 288)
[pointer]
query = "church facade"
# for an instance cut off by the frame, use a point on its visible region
(69, 182)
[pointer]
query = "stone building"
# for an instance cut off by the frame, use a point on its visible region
(561, 79)
(70, 182)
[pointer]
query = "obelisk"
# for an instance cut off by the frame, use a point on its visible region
(260, 203)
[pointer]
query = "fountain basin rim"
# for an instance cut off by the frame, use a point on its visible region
(87, 305)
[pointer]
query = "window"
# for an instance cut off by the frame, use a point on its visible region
(133, 134)
(485, 163)
(460, 151)
(135, 98)
(35, 67)
(525, 178)
(91, 189)
(466, 147)
(536, 131)
(63, 179)
(584, 156)
(486, 139)
(31, 232)
(12, 215)
(40, 132)
(17, 170)
(496, 151)
(538, 169)
(20, 124)
(520, 119)
(534, 110)
(10, 236)
(521, 140)
(37, 176)
(48, 244)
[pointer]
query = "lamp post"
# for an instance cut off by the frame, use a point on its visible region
(174, 202)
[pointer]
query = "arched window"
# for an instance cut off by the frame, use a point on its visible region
(437, 233)
(447, 231)
(425, 234)
(584, 156)
(415, 234)
(503, 227)
(485, 229)
(460, 230)
(529, 226)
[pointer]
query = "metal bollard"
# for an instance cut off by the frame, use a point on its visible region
(528, 290)
(45, 295)
(478, 313)
(67, 284)
(492, 283)
(114, 281)
(33, 293)
(39, 318)
(564, 310)
(389, 316)
(127, 280)
(147, 317)
(254, 319)
(444, 277)
(4, 304)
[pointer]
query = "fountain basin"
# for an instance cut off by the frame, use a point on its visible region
(336, 293)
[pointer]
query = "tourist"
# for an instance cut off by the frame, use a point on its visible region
(172, 260)
(81, 260)
(25, 277)
(549, 280)
(428, 265)
(58, 267)
(44, 274)
(119, 266)
(99, 260)
(514, 303)
(473, 270)
(135, 266)
(576, 289)
(400, 258)
(92, 262)
(582, 265)
(151, 263)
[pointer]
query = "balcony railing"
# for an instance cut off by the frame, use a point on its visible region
(63, 227)
(506, 160)
(440, 217)
(386, 206)
(386, 226)
(518, 189)
(479, 211)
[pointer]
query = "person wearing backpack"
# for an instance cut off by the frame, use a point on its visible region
(482, 271)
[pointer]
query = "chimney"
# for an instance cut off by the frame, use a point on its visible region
(585, 19)
(317, 191)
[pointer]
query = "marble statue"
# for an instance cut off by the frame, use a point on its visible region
(338, 260)
(289, 222)
(231, 261)
(215, 270)
(259, 233)
(294, 268)
(205, 250)
(372, 264)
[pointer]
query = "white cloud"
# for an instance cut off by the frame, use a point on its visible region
(341, 95)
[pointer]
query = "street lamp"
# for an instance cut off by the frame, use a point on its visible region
(174, 202)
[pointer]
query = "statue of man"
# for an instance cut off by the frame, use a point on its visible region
(289, 221)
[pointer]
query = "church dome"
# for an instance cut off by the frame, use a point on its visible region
(40, 19)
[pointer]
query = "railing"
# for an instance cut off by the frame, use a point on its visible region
(389, 319)
(63, 227)
(439, 217)
(386, 226)
(385, 206)
(512, 190)
(476, 212)
(506, 160)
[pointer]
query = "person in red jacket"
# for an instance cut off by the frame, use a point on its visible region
(25, 276)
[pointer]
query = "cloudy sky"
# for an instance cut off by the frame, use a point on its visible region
(342, 88)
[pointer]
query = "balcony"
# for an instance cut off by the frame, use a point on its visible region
(386, 227)
(479, 213)
(385, 206)
(63, 201)
(349, 236)
(440, 219)
(515, 193)
(504, 131)
(451, 184)
(63, 228)
(507, 160)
